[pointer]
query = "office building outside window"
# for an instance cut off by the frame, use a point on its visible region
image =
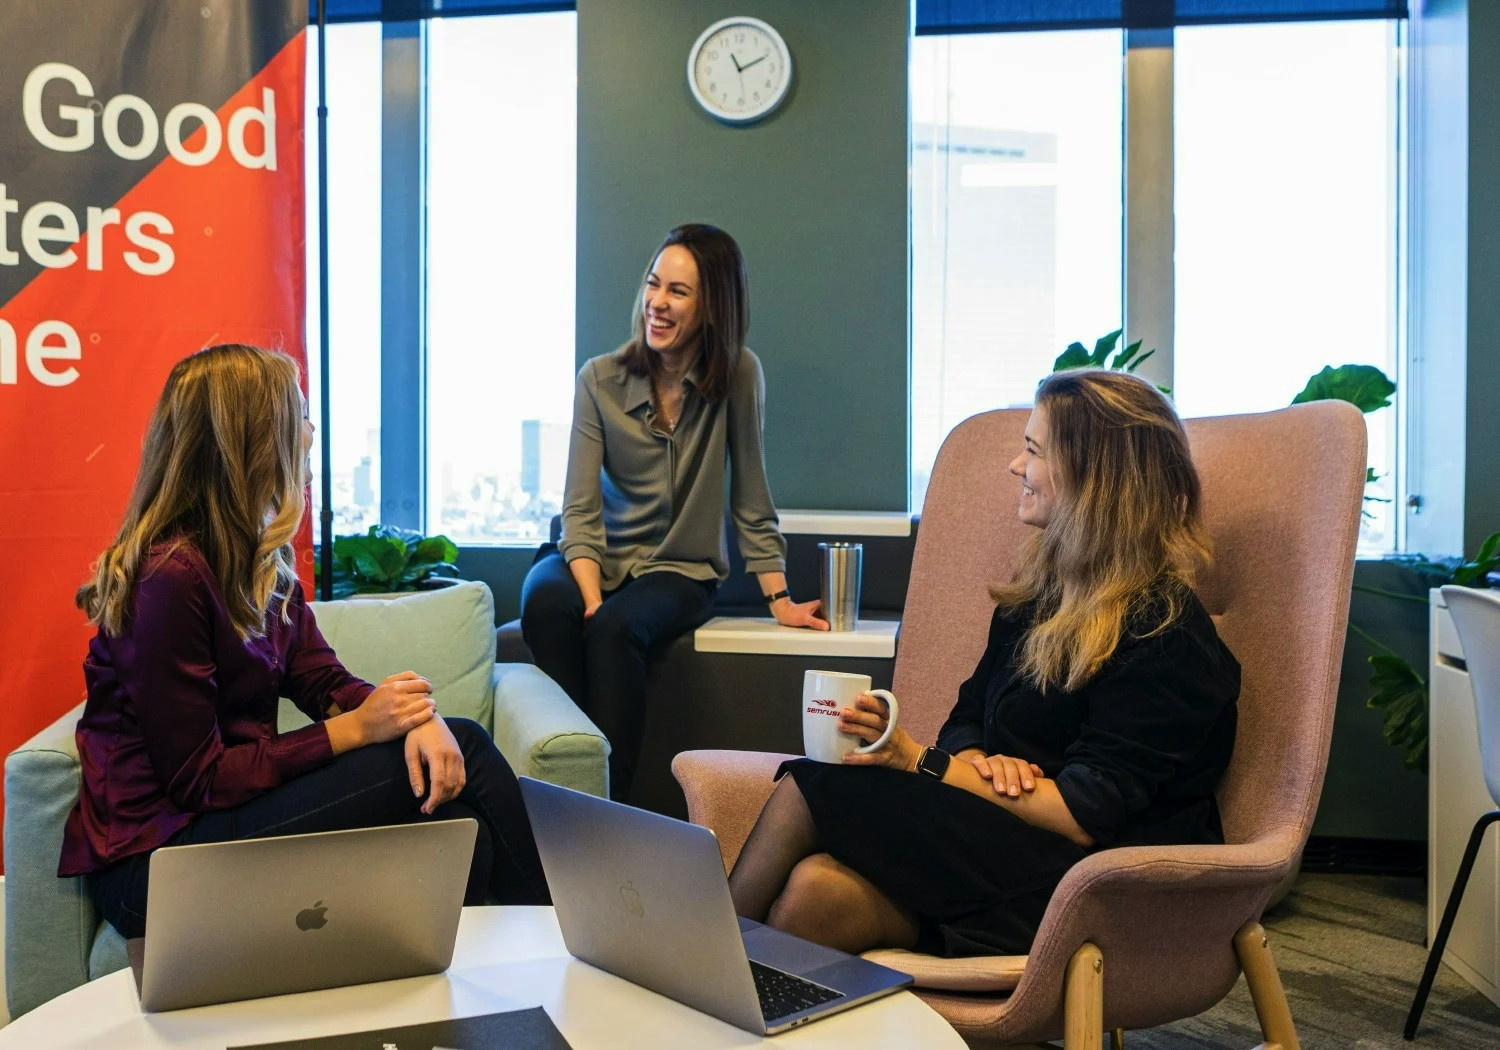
(501, 197)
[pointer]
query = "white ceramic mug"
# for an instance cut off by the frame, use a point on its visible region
(825, 694)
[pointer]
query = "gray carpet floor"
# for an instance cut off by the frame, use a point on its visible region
(1350, 952)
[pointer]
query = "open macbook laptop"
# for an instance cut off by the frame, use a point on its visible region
(239, 920)
(644, 897)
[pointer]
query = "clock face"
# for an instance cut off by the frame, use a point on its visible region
(739, 70)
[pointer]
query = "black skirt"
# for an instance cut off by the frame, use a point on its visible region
(977, 877)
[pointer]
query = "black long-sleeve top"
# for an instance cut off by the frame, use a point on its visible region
(1137, 750)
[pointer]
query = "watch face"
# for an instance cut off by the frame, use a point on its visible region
(739, 70)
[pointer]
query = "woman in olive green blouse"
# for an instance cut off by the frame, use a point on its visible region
(655, 424)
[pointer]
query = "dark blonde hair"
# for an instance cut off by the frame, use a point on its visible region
(723, 310)
(1126, 534)
(221, 468)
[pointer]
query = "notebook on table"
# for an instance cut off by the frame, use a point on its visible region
(296, 913)
(644, 897)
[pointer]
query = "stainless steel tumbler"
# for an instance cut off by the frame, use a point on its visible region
(838, 578)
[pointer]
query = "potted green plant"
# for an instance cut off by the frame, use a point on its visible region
(1401, 690)
(390, 560)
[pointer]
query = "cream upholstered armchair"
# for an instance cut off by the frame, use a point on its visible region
(1135, 936)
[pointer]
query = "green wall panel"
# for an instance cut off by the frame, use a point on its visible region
(816, 195)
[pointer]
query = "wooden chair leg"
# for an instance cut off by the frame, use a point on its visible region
(1266, 992)
(1083, 1000)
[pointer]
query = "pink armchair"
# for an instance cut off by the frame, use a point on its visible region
(1171, 927)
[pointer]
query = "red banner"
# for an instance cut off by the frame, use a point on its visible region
(151, 203)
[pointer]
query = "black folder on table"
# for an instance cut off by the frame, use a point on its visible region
(515, 1030)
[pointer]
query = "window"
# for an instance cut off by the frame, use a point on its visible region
(501, 192)
(1287, 200)
(354, 99)
(1016, 217)
(1288, 205)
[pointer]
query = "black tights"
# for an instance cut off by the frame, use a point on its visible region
(366, 787)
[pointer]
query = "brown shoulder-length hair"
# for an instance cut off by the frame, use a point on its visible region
(1126, 534)
(221, 468)
(723, 308)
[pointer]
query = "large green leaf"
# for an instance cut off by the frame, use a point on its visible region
(1363, 386)
(374, 559)
(1103, 346)
(1401, 693)
(435, 549)
(1473, 573)
(1075, 356)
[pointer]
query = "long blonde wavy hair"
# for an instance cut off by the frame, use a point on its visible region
(1126, 534)
(221, 468)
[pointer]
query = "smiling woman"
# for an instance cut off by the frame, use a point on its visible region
(655, 426)
(1101, 714)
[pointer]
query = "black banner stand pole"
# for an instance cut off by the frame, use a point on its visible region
(325, 574)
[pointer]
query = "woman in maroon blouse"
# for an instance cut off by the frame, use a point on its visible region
(202, 626)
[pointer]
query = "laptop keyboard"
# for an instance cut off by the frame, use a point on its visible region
(782, 993)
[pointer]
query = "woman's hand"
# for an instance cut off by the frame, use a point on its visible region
(590, 608)
(432, 745)
(1007, 775)
(867, 720)
(798, 614)
(398, 705)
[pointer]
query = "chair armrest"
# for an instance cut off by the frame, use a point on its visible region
(725, 792)
(1164, 917)
(50, 922)
(543, 734)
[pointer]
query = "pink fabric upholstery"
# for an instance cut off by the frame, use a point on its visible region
(1282, 494)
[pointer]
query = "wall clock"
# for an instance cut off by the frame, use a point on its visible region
(739, 69)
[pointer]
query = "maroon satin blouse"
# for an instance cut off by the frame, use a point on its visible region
(181, 713)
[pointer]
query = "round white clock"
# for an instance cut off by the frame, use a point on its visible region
(739, 69)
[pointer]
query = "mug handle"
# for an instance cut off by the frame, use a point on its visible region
(890, 725)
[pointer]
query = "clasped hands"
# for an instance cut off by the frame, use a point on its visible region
(403, 704)
(867, 720)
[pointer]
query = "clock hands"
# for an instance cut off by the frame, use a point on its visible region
(737, 67)
(747, 65)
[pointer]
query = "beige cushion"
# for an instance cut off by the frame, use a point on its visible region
(447, 636)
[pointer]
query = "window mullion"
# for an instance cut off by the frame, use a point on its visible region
(403, 397)
(1150, 281)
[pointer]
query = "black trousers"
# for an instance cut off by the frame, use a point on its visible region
(601, 663)
(366, 787)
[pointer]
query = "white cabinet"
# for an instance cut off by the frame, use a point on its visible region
(1456, 798)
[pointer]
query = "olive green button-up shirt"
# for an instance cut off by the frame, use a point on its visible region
(640, 500)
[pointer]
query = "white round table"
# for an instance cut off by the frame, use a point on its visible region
(506, 959)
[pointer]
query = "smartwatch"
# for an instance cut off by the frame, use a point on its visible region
(934, 763)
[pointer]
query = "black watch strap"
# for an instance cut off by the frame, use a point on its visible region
(772, 599)
(934, 763)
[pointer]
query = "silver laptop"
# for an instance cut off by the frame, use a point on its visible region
(239, 920)
(644, 897)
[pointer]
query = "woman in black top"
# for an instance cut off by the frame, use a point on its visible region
(1102, 712)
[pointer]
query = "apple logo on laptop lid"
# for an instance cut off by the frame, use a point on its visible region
(313, 918)
(631, 898)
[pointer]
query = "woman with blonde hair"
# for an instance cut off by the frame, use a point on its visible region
(1101, 714)
(202, 626)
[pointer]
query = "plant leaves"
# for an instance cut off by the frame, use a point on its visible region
(1122, 359)
(436, 549)
(1075, 356)
(1363, 386)
(1103, 346)
(1473, 573)
(1402, 694)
